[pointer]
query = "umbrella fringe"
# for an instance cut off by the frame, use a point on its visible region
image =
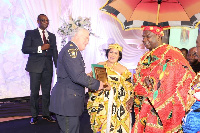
(104, 5)
(196, 26)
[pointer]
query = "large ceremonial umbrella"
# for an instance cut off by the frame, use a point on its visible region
(132, 14)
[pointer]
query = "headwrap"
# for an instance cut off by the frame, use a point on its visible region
(155, 29)
(115, 46)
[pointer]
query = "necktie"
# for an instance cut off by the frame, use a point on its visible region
(44, 38)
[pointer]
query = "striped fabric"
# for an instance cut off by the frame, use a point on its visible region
(136, 24)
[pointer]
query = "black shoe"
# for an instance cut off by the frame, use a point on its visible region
(49, 118)
(34, 120)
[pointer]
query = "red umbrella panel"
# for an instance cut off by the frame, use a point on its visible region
(134, 13)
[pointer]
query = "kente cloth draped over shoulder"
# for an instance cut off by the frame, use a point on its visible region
(161, 107)
(109, 107)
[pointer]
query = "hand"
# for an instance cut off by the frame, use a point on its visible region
(147, 82)
(101, 86)
(104, 86)
(129, 105)
(45, 46)
(107, 87)
(90, 74)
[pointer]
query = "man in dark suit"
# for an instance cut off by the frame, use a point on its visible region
(68, 95)
(41, 47)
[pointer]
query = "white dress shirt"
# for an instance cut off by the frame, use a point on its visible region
(41, 34)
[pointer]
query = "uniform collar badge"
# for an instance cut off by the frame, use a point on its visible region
(73, 53)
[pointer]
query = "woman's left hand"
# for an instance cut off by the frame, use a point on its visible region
(107, 86)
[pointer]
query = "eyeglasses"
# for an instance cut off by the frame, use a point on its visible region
(43, 20)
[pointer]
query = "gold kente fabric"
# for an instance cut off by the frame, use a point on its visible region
(98, 104)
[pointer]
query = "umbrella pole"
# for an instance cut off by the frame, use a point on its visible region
(158, 14)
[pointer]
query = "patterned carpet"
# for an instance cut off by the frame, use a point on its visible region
(15, 117)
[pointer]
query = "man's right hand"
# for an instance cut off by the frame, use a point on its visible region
(104, 86)
(45, 46)
(89, 74)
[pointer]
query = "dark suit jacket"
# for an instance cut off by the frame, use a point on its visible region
(196, 67)
(68, 95)
(36, 61)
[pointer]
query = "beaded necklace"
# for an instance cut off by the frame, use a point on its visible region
(112, 67)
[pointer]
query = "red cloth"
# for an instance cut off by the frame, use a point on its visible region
(155, 29)
(163, 105)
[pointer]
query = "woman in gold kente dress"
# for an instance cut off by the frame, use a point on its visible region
(107, 109)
